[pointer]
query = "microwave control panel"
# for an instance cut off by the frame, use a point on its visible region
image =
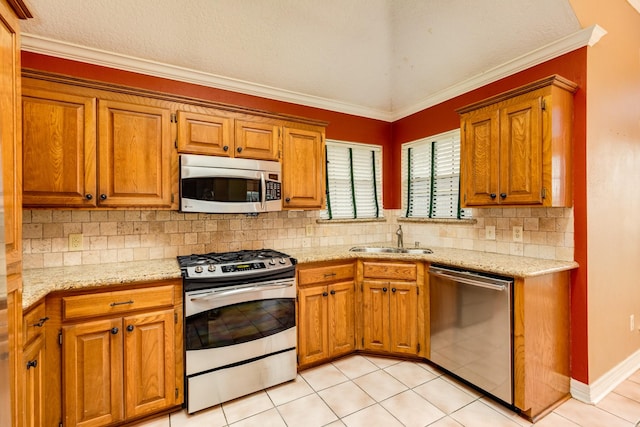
(274, 190)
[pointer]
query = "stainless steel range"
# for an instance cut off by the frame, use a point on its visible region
(240, 330)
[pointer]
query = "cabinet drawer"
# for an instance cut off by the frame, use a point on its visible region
(105, 303)
(390, 270)
(325, 274)
(33, 323)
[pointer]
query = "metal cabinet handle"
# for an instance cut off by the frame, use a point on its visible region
(40, 323)
(327, 275)
(103, 197)
(88, 196)
(384, 289)
(225, 148)
(332, 292)
(393, 289)
(324, 294)
(492, 195)
(503, 195)
(113, 304)
(32, 364)
(288, 199)
(114, 331)
(239, 149)
(130, 328)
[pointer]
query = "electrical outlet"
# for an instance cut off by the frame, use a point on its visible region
(517, 233)
(75, 242)
(632, 323)
(490, 232)
(309, 230)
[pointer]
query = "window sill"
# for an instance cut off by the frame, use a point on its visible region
(439, 220)
(347, 221)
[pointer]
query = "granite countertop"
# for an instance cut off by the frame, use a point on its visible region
(37, 283)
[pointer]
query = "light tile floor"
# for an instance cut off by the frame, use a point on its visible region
(366, 391)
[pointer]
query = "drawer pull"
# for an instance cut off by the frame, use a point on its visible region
(40, 323)
(114, 331)
(327, 275)
(324, 294)
(32, 364)
(130, 328)
(113, 304)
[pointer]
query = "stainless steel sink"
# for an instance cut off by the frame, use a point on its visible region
(390, 250)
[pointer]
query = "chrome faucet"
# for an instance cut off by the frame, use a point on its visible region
(400, 237)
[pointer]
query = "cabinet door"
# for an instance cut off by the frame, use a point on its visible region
(403, 315)
(256, 140)
(135, 154)
(33, 383)
(207, 133)
(341, 316)
(149, 357)
(92, 373)
(521, 152)
(59, 151)
(313, 341)
(480, 158)
(303, 182)
(376, 315)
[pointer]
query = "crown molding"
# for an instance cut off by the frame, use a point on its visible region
(585, 37)
(45, 46)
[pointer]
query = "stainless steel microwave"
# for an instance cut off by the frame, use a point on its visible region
(212, 184)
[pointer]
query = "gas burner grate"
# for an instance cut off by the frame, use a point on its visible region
(226, 257)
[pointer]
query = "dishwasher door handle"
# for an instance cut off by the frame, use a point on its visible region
(468, 279)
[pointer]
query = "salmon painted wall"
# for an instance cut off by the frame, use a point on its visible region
(341, 126)
(613, 190)
(442, 117)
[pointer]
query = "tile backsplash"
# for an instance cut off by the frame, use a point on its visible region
(131, 235)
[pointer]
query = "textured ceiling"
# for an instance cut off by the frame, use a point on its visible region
(385, 55)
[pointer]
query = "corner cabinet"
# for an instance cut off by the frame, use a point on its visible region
(303, 171)
(326, 316)
(516, 147)
(119, 351)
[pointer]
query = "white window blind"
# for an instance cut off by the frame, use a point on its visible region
(431, 177)
(354, 181)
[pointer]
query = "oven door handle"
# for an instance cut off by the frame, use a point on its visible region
(224, 293)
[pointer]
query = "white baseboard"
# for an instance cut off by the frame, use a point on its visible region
(597, 390)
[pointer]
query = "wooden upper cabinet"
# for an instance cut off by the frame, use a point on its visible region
(303, 172)
(59, 148)
(222, 133)
(516, 147)
(257, 139)
(134, 154)
(208, 133)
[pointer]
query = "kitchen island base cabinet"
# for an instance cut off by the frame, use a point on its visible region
(119, 352)
(326, 320)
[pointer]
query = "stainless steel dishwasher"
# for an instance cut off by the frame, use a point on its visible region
(471, 328)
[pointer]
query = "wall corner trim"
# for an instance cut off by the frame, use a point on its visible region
(597, 390)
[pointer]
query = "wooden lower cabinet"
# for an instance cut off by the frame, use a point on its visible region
(34, 365)
(326, 313)
(390, 313)
(121, 362)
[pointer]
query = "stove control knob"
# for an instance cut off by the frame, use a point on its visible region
(198, 269)
(272, 261)
(211, 267)
(282, 261)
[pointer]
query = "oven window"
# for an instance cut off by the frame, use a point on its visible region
(238, 323)
(222, 189)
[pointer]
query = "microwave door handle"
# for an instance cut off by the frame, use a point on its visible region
(263, 183)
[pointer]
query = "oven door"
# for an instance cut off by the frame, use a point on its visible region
(229, 325)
